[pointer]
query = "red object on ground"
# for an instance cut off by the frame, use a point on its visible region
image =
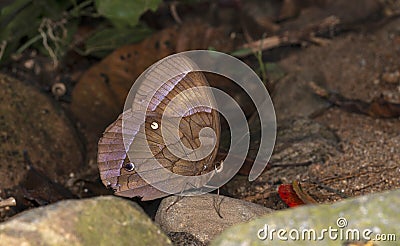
(289, 196)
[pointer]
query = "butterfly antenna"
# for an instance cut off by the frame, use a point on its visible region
(179, 197)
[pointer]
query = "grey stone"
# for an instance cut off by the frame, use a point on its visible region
(198, 215)
(184, 239)
(304, 140)
(293, 98)
(379, 213)
(104, 220)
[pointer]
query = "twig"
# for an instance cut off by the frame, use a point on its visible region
(318, 90)
(307, 163)
(378, 107)
(3, 46)
(330, 189)
(9, 202)
(266, 43)
(174, 12)
(311, 34)
(369, 185)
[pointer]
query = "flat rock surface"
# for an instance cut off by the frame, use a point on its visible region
(97, 221)
(198, 215)
(378, 213)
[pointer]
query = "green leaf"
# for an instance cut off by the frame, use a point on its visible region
(125, 12)
(17, 20)
(242, 52)
(105, 40)
(275, 72)
(21, 19)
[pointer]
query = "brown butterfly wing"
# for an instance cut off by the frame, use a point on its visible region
(112, 154)
(111, 160)
(196, 119)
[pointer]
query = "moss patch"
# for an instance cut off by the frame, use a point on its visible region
(117, 222)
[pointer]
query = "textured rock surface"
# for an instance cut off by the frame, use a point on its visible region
(198, 215)
(303, 140)
(295, 87)
(184, 239)
(30, 122)
(379, 213)
(98, 221)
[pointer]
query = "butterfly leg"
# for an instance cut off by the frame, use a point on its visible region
(178, 198)
(217, 204)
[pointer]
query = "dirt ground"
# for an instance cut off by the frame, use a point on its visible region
(354, 65)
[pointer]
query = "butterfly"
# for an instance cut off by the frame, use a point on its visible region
(160, 133)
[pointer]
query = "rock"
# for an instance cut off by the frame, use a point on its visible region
(31, 123)
(184, 239)
(378, 213)
(104, 220)
(198, 215)
(293, 98)
(298, 140)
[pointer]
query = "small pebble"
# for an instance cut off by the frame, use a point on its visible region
(29, 64)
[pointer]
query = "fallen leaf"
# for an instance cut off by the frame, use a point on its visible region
(293, 195)
(289, 196)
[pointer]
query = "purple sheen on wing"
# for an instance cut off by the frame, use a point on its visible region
(111, 147)
(111, 165)
(197, 110)
(163, 91)
(110, 156)
(110, 173)
(105, 140)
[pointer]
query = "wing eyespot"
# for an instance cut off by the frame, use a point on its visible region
(154, 125)
(129, 166)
